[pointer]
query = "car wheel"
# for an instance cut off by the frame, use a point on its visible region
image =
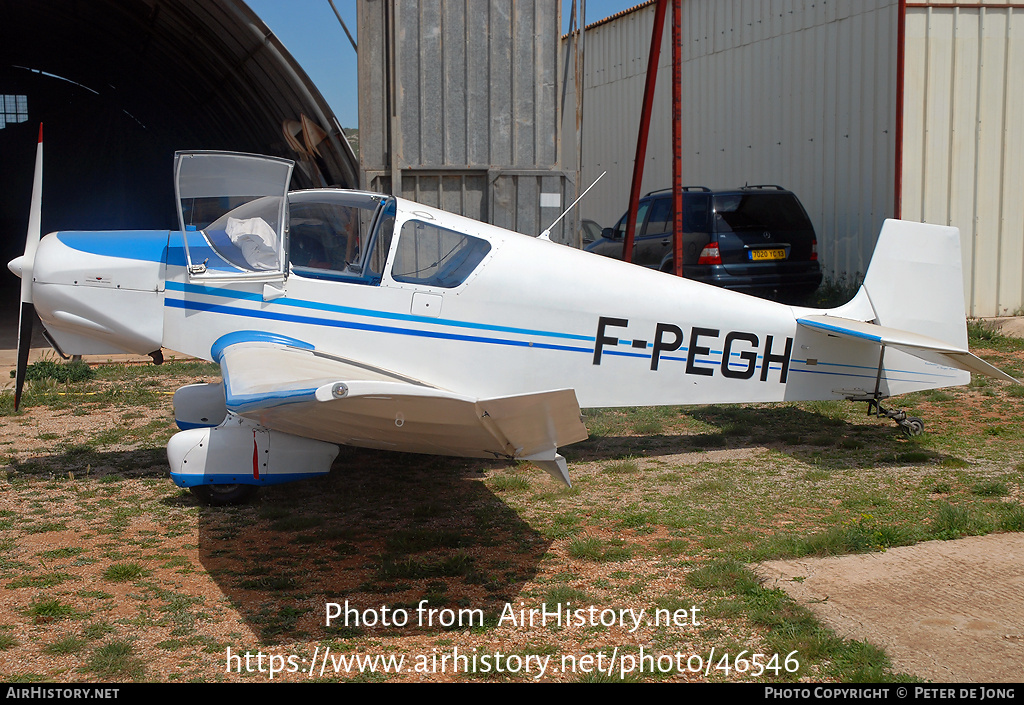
(220, 495)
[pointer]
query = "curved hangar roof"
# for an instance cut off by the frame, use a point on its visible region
(120, 85)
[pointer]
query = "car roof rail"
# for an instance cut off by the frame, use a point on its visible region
(746, 187)
(684, 188)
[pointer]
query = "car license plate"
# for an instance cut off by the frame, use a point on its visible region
(765, 253)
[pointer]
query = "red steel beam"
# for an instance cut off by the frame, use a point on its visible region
(645, 127)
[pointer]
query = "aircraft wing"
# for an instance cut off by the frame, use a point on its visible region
(286, 385)
(922, 346)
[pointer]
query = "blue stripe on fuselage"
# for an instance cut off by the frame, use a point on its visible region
(142, 245)
(310, 320)
(369, 313)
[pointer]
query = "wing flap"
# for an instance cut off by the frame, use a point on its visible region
(921, 346)
(295, 389)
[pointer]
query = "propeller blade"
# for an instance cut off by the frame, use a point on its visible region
(25, 265)
(28, 314)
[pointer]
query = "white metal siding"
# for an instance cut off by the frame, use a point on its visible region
(795, 92)
(964, 141)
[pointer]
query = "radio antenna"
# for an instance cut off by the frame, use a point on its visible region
(546, 235)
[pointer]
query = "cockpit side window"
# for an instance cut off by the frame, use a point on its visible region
(331, 235)
(434, 256)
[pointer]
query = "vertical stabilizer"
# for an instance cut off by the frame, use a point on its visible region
(915, 281)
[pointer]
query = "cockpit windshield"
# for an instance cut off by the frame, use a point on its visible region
(231, 211)
(247, 236)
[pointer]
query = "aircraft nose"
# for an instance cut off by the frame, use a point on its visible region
(17, 265)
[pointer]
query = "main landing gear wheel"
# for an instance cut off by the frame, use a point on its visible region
(220, 495)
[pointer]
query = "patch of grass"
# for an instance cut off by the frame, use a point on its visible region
(97, 630)
(460, 564)
(993, 488)
(40, 581)
(59, 553)
(591, 548)
(638, 518)
(708, 440)
(509, 482)
(860, 536)
(1013, 520)
(65, 372)
(585, 548)
(790, 630)
(116, 660)
(914, 456)
(125, 572)
(955, 521)
(49, 609)
(7, 641)
(623, 467)
(420, 540)
(273, 583)
(67, 645)
(563, 594)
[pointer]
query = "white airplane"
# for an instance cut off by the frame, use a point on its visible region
(353, 318)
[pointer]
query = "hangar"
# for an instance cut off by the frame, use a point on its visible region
(121, 84)
(867, 109)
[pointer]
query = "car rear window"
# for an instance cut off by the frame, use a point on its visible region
(759, 211)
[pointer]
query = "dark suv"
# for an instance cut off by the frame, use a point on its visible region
(754, 238)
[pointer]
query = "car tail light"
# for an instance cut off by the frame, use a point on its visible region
(814, 250)
(710, 254)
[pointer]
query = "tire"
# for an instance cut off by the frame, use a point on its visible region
(221, 495)
(914, 426)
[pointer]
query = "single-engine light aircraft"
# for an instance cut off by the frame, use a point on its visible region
(355, 318)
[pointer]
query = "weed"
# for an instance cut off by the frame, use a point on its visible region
(97, 630)
(64, 646)
(1013, 519)
(623, 467)
(62, 553)
(115, 660)
(565, 595)
(954, 522)
(419, 540)
(459, 564)
(990, 489)
(49, 609)
(585, 548)
(65, 372)
(509, 482)
(125, 572)
(40, 581)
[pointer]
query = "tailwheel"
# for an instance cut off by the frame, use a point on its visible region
(911, 425)
(221, 495)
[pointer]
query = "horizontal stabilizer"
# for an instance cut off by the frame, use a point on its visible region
(921, 346)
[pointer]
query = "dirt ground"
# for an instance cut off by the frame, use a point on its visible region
(946, 611)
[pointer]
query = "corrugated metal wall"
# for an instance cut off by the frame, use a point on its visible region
(458, 101)
(964, 140)
(799, 93)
